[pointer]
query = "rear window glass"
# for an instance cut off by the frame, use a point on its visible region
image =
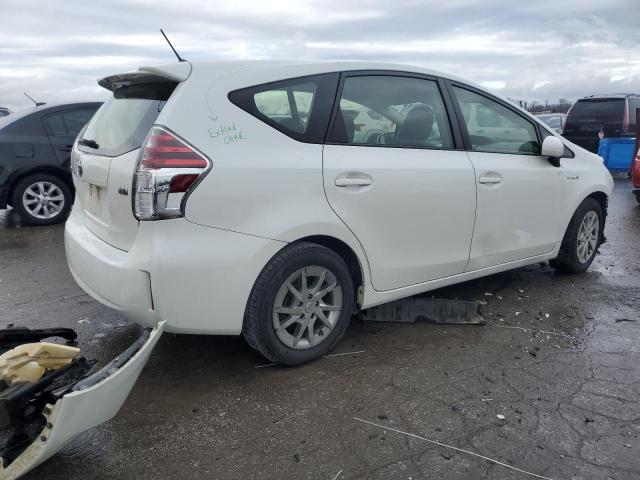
(299, 107)
(600, 110)
(124, 120)
(290, 107)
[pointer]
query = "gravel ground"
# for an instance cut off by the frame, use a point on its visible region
(559, 359)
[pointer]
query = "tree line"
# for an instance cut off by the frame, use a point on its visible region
(561, 106)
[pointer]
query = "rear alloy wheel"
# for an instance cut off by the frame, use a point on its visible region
(582, 238)
(42, 199)
(307, 307)
(300, 305)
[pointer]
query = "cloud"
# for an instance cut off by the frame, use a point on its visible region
(530, 50)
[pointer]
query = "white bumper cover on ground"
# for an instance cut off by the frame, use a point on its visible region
(85, 408)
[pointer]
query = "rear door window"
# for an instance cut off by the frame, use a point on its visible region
(298, 107)
(393, 111)
(68, 123)
(55, 125)
(75, 120)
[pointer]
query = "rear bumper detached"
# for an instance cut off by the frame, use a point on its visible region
(76, 408)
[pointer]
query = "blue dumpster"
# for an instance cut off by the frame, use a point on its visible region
(617, 153)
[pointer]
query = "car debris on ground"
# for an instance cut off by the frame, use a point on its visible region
(436, 310)
(49, 394)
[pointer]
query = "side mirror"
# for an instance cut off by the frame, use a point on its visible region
(553, 149)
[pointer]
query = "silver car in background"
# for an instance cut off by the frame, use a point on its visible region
(554, 120)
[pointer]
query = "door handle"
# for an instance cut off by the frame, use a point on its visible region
(352, 182)
(489, 180)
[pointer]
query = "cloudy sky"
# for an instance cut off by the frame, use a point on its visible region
(534, 50)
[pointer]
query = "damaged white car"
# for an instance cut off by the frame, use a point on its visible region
(239, 198)
(274, 199)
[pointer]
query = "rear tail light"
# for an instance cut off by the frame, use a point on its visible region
(167, 171)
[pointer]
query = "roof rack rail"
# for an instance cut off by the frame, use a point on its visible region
(612, 95)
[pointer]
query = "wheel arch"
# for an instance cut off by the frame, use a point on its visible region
(344, 251)
(600, 197)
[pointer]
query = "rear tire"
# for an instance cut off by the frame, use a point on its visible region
(300, 305)
(638, 197)
(42, 199)
(582, 238)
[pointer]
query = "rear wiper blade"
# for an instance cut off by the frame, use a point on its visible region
(88, 143)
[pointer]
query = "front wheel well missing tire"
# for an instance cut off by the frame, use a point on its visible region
(344, 251)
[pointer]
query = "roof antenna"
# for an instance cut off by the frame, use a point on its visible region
(38, 104)
(180, 59)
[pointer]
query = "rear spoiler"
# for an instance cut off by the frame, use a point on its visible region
(167, 73)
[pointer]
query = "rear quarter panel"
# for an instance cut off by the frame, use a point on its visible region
(262, 182)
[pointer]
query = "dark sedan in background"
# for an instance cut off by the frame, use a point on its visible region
(35, 146)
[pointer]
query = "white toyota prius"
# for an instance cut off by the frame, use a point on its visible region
(274, 199)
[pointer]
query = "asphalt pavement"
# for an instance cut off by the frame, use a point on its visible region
(551, 385)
